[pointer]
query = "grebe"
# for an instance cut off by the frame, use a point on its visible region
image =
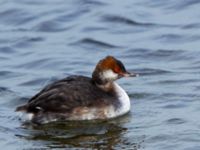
(80, 97)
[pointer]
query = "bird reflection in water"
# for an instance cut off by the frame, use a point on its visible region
(85, 135)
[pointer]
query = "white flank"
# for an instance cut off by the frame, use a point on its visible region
(29, 116)
(124, 100)
(25, 116)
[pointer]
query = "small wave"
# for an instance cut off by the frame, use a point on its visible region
(151, 71)
(160, 54)
(174, 106)
(5, 73)
(50, 26)
(92, 2)
(90, 29)
(175, 95)
(5, 93)
(142, 95)
(197, 88)
(7, 50)
(8, 74)
(34, 63)
(15, 17)
(172, 6)
(170, 37)
(180, 82)
(3, 58)
(191, 26)
(33, 82)
(94, 43)
(174, 38)
(124, 20)
(160, 137)
(27, 41)
(20, 100)
(175, 121)
(31, 3)
(137, 53)
(185, 4)
(73, 15)
(3, 89)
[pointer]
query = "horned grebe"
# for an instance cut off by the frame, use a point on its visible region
(82, 98)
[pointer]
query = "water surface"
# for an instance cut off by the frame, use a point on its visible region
(43, 41)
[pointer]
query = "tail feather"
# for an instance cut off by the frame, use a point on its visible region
(21, 108)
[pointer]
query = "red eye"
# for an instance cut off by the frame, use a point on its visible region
(116, 69)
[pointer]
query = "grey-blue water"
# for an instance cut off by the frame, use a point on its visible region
(44, 40)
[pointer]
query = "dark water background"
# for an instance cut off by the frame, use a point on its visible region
(44, 40)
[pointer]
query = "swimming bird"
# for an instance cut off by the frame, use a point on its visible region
(79, 97)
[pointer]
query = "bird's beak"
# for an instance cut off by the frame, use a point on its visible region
(128, 74)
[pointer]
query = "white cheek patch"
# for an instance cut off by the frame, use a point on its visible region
(109, 75)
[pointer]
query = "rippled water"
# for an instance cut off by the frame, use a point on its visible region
(42, 41)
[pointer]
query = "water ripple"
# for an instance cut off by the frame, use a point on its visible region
(94, 43)
(177, 38)
(3, 89)
(152, 71)
(123, 20)
(50, 26)
(180, 81)
(160, 54)
(144, 95)
(191, 26)
(35, 63)
(93, 3)
(7, 50)
(27, 41)
(185, 4)
(175, 121)
(8, 74)
(38, 81)
(15, 17)
(174, 106)
(45, 40)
